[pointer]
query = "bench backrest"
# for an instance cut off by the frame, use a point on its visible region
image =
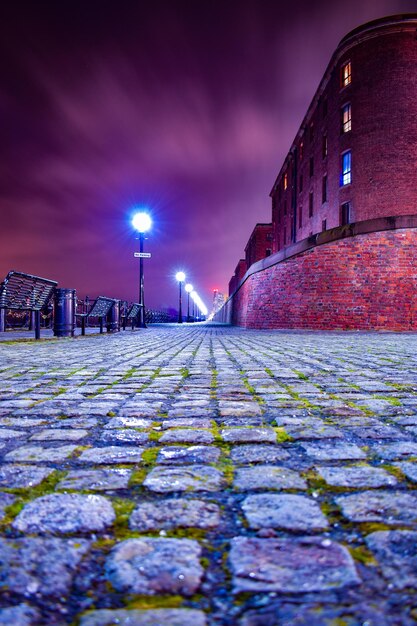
(133, 311)
(25, 292)
(101, 306)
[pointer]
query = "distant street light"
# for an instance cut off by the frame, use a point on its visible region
(180, 276)
(188, 288)
(142, 223)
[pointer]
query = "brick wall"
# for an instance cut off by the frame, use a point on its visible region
(367, 281)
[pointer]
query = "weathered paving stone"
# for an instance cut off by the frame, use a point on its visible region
(258, 453)
(239, 408)
(290, 565)
(34, 565)
(396, 553)
(400, 450)
(193, 478)
(112, 454)
(22, 476)
(39, 454)
(364, 476)
(249, 435)
(19, 615)
(155, 566)
(173, 513)
(62, 434)
(175, 455)
(65, 513)
(333, 451)
(288, 511)
(8, 433)
(6, 499)
(377, 432)
(137, 617)
(389, 507)
(125, 422)
(187, 435)
(316, 430)
(186, 422)
(121, 435)
(317, 615)
(409, 469)
(96, 480)
(267, 477)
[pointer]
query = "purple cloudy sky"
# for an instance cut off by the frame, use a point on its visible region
(187, 108)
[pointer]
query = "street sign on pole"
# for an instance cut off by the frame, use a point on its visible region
(142, 255)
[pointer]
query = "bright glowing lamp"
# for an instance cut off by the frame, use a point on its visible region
(141, 222)
(180, 276)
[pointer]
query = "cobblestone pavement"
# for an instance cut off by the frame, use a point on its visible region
(206, 475)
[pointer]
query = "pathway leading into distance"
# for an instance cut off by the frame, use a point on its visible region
(205, 475)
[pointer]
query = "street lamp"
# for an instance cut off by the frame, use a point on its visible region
(180, 276)
(142, 223)
(188, 288)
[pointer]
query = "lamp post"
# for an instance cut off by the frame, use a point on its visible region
(188, 288)
(142, 223)
(180, 276)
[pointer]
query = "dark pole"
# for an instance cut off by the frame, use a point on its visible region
(188, 307)
(142, 323)
(179, 309)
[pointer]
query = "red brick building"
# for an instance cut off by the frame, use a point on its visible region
(351, 171)
(240, 271)
(354, 157)
(260, 244)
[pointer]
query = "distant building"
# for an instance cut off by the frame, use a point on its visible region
(260, 244)
(218, 301)
(344, 203)
(240, 271)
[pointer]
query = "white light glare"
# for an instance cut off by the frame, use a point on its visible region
(141, 222)
(180, 276)
(200, 304)
(188, 288)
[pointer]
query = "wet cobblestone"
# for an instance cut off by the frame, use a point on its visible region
(209, 476)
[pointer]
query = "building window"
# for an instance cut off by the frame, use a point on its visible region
(300, 217)
(285, 181)
(324, 189)
(324, 146)
(346, 118)
(301, 183)
(324, 225)
(310, 204)
(269, 237)
(345, 213)
(311, 166)
(268, 252)
(346, 74)
(301, 150)
(346, 174)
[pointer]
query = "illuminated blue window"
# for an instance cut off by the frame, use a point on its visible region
(346, 175)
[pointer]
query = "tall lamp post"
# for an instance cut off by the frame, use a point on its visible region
(142, 223)
(188, 288)
(180, 276)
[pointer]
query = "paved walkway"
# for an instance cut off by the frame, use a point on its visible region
(200, 476)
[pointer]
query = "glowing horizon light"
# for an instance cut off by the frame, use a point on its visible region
(180, 276)
(200, 304)
(188, 288)
(141, 222)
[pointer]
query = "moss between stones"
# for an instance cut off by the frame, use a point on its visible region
(363, 555)
(152, 602)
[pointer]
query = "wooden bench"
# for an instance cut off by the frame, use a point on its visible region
(100, 308)
(24, 292)
(131, 314)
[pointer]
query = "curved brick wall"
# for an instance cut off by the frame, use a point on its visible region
(364, 282)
